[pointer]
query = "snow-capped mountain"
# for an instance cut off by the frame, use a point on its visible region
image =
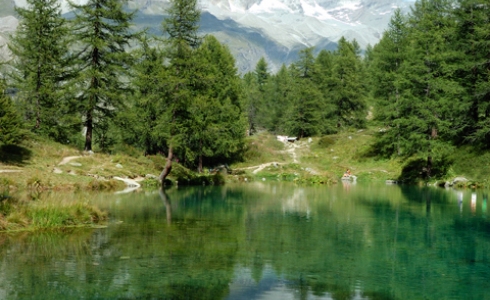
(277, 29)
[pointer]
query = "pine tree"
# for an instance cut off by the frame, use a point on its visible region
(40, 48)
(103, 31)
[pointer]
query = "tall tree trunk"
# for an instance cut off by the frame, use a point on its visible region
(38, 100)
(429, 164)
(88, 135)
(199, 168)
(168, 166)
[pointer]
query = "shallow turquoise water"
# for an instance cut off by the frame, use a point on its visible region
(263, 241)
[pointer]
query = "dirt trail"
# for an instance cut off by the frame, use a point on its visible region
(291, 149)
(67, 159)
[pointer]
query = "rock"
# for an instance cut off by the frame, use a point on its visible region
(310, 140)
(335, 157)
(390, 181)
(57, 171)
(119, 166)
(151, 176)
(75, 164)
(458, 179)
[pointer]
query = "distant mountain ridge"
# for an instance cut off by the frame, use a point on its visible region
(274, 29)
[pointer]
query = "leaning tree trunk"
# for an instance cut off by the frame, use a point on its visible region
(168, 166)
(168, 207)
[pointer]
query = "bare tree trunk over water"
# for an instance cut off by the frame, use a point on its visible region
(168, 207)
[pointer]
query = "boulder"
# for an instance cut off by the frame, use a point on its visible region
(458, 180)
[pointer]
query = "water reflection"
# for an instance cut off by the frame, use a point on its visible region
(263, 241)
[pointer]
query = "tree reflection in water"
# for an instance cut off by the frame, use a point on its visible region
(262, 241)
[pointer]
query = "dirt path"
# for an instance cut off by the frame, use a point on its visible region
(291, 149)
(67, 159)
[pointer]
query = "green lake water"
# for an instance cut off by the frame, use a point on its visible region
(263, 241)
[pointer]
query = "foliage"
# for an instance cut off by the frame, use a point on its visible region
(40, 70)
(11, 126)
(102, 30)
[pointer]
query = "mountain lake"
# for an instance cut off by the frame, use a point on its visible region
(262, 241)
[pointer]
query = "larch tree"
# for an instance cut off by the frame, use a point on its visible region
(217, 126)
(40, 70)
(102, 31)
(386, 60)
(181, 27)
(11, 127)
(473, 45)
(347, 86)
(429, 91)
(304, 116)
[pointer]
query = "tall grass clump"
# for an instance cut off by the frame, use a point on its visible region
(47, 214)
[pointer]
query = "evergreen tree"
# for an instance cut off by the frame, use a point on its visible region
(251, 101)
(137, 123)
(181, 26)
(262, 73)
(11, 127)
(347, 86)
(429, 91)
(305, 115)
(386, 60)
(472, 21)
(40, 48)
(102, 31)
(216, 126)
(264, 107)
(279, 91)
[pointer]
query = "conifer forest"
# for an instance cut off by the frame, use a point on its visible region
(95, 82)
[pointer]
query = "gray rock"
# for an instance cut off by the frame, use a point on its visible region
(57, 171)
(458, 179)
(119, 166)
(151, 176)
(75, 164)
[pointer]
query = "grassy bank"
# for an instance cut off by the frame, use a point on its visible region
(51, 213)
(29, 171)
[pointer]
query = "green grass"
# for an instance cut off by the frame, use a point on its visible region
(47, 213)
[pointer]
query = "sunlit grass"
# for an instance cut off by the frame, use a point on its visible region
(43, 211)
